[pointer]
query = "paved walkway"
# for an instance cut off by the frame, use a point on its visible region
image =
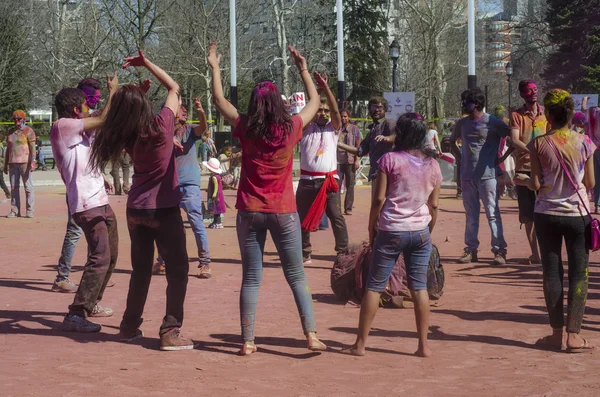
(483, 332)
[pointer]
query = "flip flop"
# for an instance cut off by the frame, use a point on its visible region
(544, 343)
(584, 348)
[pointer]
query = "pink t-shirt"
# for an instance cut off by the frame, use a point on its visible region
(18, 145)
(410, 183)
(266, 179)
(71, 147)
(155, 184)
(557, 195)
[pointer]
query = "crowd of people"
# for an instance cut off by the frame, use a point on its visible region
(553, 156)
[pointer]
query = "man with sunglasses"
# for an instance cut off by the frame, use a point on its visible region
(481, 134)
(379, 139)
(19, 163)
(318, 188)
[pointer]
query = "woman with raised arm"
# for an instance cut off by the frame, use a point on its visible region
(153, 202)
(265, 199)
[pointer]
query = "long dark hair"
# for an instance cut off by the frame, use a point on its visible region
(130, 119)
(267, 116)
(411, 132)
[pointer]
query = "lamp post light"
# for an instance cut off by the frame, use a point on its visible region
(394, 54)
(509, 73)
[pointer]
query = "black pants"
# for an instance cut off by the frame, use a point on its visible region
(100, 228)
(346, 172)
(3, 184)
(305, 196)
(551, 230)
(457, 176)
(165, 227)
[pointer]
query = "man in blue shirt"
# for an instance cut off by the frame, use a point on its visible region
(481, 134)
(188, 172)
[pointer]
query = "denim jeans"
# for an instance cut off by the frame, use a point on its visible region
(165, 227)
(285, 231)
(551, 230)
(416, 248)
(191, 203)
(100, 228)
(72, 236)
(16, 172)
(597, 173)
(487, 191)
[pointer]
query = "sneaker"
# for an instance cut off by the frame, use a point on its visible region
(65, 286)
(130, 336)
(307, 261)
(75, 323)
(204, 271)
(11, 215)
(468, 257)
(172, 341)
(100, 311)
(159, 269)
(499, 259)
(29, 214)
(216, 226)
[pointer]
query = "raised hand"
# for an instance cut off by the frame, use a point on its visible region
(321, 79)
(213, 58)
(140, 60)
(298, 59)
(145, 86)
(198, 105)
(112, 83)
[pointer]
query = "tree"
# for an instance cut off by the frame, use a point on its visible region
(575, 35)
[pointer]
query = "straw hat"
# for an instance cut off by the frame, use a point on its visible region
(213, 165)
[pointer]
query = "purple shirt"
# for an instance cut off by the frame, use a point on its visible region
(155, 183)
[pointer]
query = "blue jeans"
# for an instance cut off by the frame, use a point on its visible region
(285, 231)
(191, 203)
(324, 222)
(72, 236)
(487, 191)
(416, 248)
(16, 172)
(597, 173)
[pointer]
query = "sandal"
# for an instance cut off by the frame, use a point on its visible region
(248, 349)
(584, 348)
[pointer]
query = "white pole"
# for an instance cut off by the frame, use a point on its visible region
(472, 78)
(232, 42)
(340, 52)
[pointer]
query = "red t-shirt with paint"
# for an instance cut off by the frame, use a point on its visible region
(266, 179)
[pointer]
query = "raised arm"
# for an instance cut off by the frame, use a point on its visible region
(336, 118)
(308, 113)
(202, 124)
(172, 101)
(92, 123)
(223, 105)
(584, 103)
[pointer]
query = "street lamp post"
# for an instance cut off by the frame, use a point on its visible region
(509, 73)
(394, 54)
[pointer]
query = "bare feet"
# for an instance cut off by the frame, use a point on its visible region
(556, 341)
(353, 351)
(423, 352)
(248, 349)
(313, 343)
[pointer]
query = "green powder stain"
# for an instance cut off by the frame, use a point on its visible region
(555, 96)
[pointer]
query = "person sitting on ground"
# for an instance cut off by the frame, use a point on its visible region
(153, 213)
(71, 138)
(561, 160)
(265, 199)
(401, 222)
(19, 163)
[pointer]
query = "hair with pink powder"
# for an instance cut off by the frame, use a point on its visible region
(268, 116)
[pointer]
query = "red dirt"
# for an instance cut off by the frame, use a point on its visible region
(482, 335)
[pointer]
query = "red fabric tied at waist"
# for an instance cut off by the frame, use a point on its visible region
(317, 209)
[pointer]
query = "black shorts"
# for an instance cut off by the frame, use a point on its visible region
(526, 199)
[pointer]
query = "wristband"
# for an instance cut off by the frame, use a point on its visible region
(302, 70)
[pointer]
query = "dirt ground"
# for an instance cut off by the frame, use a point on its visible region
(482, 334)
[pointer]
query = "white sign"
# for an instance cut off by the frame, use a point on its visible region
(578, 99)
(297, 102)
(399, 103)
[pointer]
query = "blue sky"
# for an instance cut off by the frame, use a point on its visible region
(490, 6)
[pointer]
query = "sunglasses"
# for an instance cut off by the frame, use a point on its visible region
(323, 110)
